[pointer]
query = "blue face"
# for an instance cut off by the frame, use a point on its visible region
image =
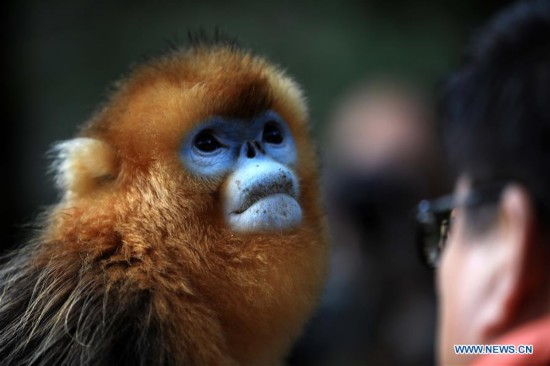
(256, 159)
(218, 145)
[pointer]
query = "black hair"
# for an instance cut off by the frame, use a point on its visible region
(496, 108)
(201, 38)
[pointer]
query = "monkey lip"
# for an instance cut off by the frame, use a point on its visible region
(274, 212)
(260, 192)
(262, 197)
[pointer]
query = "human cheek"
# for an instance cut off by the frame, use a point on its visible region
(453, 280)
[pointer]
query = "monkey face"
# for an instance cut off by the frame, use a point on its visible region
(258, 156)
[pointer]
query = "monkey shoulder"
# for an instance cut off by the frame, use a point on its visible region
(65, 315)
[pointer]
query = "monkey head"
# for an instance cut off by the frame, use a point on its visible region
(192, 192)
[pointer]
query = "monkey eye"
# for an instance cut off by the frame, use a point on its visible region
(205, 141)
(272, 134)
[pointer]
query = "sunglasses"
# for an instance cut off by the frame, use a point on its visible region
(434, 219)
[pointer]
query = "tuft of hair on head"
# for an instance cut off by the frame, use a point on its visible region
(202, 39)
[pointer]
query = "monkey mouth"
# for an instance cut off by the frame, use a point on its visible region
(271, 206)
(274, 212)
(264, 198)
(260, 192)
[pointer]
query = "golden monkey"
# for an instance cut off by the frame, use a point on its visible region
(189, 231)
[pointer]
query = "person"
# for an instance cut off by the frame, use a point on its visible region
(379, 150)
(490, 240)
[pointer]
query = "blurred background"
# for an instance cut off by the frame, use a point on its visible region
(370, 70)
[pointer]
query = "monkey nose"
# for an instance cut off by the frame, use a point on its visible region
(252, 148)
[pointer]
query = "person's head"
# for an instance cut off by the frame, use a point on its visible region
(381, 125)
(494, 274)
(380, 145)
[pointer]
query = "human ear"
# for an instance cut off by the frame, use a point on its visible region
(511, 247)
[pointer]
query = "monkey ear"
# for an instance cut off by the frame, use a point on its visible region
(83, 164)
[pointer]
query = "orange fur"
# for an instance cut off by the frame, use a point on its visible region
(219, 297)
